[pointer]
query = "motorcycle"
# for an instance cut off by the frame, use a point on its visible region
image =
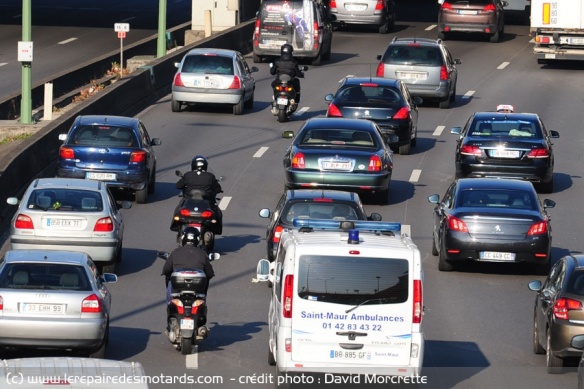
(284, 99)
(186, 312)
(195, 211)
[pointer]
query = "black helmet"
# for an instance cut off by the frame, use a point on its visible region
(287, 49)
(190, 235)
(199, 163)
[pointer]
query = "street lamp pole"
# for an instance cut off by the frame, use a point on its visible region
(26, 96)
(161, 42)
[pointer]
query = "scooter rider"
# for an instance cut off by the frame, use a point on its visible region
(286, 64)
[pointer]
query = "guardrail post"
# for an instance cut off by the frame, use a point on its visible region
(48, 104)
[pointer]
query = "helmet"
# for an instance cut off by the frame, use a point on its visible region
(199, 163)
(287, 49)
(190, 235)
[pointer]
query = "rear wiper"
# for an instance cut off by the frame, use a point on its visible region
(369, 301)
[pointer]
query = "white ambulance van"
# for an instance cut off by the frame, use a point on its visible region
(346, 299)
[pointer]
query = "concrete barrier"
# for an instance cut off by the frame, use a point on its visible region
(38, 154)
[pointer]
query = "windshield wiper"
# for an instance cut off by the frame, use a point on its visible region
(368, 301)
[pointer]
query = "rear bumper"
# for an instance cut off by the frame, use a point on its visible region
(209, 96)
(371, 20)
(431, 92)
(103, 250)
(535, 174)
(135, 180)
(363, 183)
(561, 334)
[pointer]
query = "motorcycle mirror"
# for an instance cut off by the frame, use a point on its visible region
(178, 173)
(163, 254)
(271, 64)
(304, 68)
(214, 256)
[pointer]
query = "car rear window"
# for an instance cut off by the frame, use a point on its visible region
(496, 198)
(208, 64)
(576, 283)
(44, 276)
(338, 137)
(378, 95)
(350, 280)
(319, 210)
(413, 55)
(464, 3)
(65, 200)
(505, 128)
(103, 135)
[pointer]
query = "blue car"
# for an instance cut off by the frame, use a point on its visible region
(113, 149)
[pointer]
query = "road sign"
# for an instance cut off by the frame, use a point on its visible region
(122, 27)
(121, 34)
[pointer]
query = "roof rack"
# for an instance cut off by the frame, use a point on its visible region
(346, 225)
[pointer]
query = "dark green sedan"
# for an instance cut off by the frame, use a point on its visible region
(342, 154)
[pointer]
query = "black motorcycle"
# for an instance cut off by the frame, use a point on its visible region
(285, 97)
(193, 210)
(186, 312)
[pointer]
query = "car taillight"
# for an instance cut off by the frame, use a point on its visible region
(1, 303)
(23, 222)
(207, 214)
(256, 33)
(490, 8)
(138, 157)
(180, 309)
(539, 153)
(298, 161)
(418, 303)
(177, 80)
(287, 300)
(105, 224)
(379, 5)
(236, 83)
(455, 224)
(333, 111)
(403, 113)
(471, 150)
(374, 163)
(66, 153)
(546, 40)
(91, 304)
(184, 212)
(538, 229)
(277, 233)
(563, 305)
(447, 6)
(332, 4)
(380, 69)
(443, 73)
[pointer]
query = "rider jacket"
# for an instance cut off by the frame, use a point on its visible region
(286, 64)
(201, 180)
(188, 257)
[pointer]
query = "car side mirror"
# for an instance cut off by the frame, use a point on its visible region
(457, 61)
(254, 69)
(288, 134)
(329, 97)
(109, 278)
(177, 65)
(554, 134)
(456, 130)
(163, 254)
(578, 342)
(156, 142)
(379, 56)
(535, 285)
(63, 137)
(375, 217)
(547, 203)
(214, 256)
(126, 204)
(178, 173)
(418, 100)
(391, 138)
(263, 270)
(434, 199)
(264, 212)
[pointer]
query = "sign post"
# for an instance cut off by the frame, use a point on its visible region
(122, 29)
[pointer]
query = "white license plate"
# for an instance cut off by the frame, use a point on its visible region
(282, 101)
(467, 12)
(349, 355)
(330, 165)
(504, 153)
(206, 83)
(496, 256)
(355, 7)
(576, 41)
(411, 76)
(63, 223)
(274, 43)
(187, 324)
(55, 309)
(101, 176)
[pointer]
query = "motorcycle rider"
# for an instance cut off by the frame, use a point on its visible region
(286, 64)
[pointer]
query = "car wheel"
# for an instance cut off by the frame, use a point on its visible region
(249, 103)
(100, 352)
(384, 28)
(238, 108)
(453, 96)
(444, 104)
(541, 61)
(495, 37)
(175, 105)
(271, 359)
(443, 264)
(119, 253)
(256, 58)
(547, 187)
(317, 60)
(381, 197)
(405, 149)
(554, 364)
(141, 195)
(109, 267)
(152, 182)
(434, 248)
(537, 347)
(443, 36)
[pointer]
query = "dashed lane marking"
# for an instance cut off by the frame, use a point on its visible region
(415, 175)
(224, 202)
(438, 130)
(260, 152)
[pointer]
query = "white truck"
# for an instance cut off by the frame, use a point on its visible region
(557, 28)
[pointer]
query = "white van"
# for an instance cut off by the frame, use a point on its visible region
(346, 299)
(71, 372)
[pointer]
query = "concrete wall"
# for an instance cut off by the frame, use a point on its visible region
(37, 155)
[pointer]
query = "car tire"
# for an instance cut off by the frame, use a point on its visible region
(444, 104)
(453, 96)
(317, 61)
(443, 264)
(119, 253)
(443, 36)
(547, 187)
(175, 105)
(542, 61)
(405, 149)
(152, 181)
(553, 363)
(435, 251)
(495, 37)
(271, 359)
(249, 103)
(537, 347)
(384, 28)
(238, 108)
(108, 267)
(142, 194)
(100, 352)
(381, 197)
(256, 58)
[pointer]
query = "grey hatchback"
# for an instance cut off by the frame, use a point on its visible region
(379, 14)
(472, 16)
(424, 65)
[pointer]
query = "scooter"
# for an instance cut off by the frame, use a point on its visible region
(195, 211)
(186, 312)
(284, 99)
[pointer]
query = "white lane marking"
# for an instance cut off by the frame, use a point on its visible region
(430, 27)
(260, 152)
(468, 94)
(406, 229)
(3, 63)
(415, 175)
(67, 41)
(224, 202)
(192, 360)
(438, 130)
(503, 65)
(301, 111)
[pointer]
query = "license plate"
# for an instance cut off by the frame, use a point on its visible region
(576, 41)
(187, 324)
(206, 83)
(356, 7)
(54, 309)
(331, 165)
(63, 223)
(348, 355)
(496, 256)
(467, 12)
(504, 153)
(101, 176)
(282, 101)
(411, 76)
(273, 43)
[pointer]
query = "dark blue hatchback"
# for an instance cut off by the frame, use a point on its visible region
(114, 149)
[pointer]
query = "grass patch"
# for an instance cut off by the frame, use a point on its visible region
(13, 138)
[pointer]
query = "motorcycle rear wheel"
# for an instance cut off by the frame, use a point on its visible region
(186, 346)
(282, 117)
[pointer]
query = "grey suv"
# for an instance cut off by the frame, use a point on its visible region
(376, 13)
(472, 16)
(424, 65)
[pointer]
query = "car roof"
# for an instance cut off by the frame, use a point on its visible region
(106, 119)
(339, 123)
(60, 256)
(211, 51)
(494, 183)
(373, 80)
(506, 115)
(62, 182)
(298, 194)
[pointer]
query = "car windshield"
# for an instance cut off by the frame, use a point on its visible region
(517, 129)
(413, 55)
(103, 135)
(44, 276)
(207, 64)
(338, 137)
(65, 200)
(379, 95)
(497, 198)
(319, 210)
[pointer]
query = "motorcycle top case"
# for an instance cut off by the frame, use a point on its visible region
(188, 280)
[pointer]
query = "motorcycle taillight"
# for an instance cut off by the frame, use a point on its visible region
(207, 214)
(184, 212)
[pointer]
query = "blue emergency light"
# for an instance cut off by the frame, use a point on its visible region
(356, 225)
